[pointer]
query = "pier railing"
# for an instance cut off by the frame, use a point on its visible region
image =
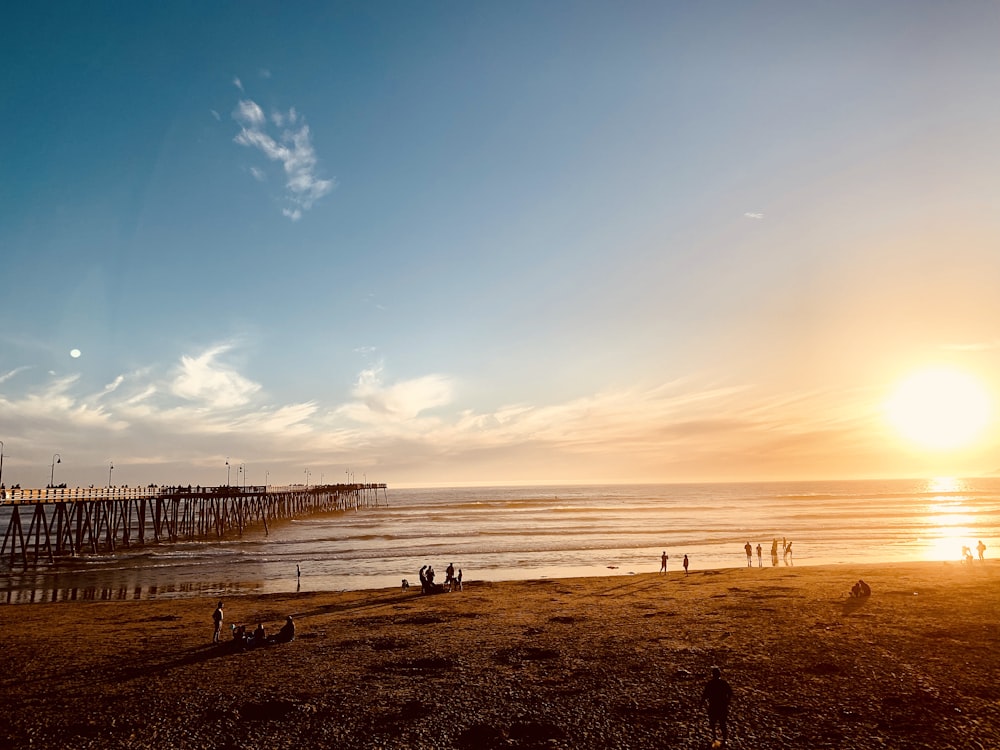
(43, 525)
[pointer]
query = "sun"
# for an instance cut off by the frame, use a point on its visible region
(940, 409)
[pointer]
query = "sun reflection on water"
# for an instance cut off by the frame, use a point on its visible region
(949, 521)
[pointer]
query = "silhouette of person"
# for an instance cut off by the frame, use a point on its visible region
(788, 553)
(663, 561)
(982, 548)
(287, 632)
(760, 556)
(217, 618)
(718, 695)
(774, 552)
(749, 550)
(685, 564)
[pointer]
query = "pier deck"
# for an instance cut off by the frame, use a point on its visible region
(43, 525)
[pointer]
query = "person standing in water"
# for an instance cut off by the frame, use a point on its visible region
(663, 561)
(760, 556)
(749, 550)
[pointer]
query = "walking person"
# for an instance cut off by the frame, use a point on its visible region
(982, 548)
(217, 618)
(749, 550)
(717, 694)
(685, 564)
(663, 561)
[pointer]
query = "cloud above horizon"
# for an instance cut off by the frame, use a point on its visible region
(205, 406)
(283, 138)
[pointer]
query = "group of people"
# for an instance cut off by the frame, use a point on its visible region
(861, 589)
(256, 638)
(786, 553)
(967, 553)
(665, 557)
(452, 580)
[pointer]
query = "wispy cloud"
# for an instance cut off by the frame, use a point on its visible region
(205, 405)
(237, 82)
(974, 346)
(290, 145)
(212, 383)
(753, 215)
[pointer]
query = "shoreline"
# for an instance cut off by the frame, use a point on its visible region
(72, 585)
(58, 585)
(595, 662)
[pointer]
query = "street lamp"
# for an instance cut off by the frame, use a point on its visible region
(307, 472)
(56, 459)
(111, 467)
(1, 463)
(227, 471)
(239, 473)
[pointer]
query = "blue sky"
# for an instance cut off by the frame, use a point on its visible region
(456, 243)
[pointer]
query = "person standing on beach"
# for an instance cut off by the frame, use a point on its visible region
(982, 548)
(217, 620)
(749, 550)
(774, 552)
(685, 564)
(788, 554)
(760, 556)
(718, 694)
(663, 561)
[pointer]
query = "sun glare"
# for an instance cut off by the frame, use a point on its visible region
(940, 409)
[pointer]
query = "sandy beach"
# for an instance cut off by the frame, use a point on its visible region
(615, 662)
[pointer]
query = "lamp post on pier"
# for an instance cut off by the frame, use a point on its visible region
(56, 459)
(1, 463)
(111, 468)
(228, 467)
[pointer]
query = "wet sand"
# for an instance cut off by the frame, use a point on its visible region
(576, 663)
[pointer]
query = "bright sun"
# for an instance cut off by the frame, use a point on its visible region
(940, 409)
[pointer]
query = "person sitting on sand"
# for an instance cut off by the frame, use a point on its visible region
(718, 694)
(259, 638)
(966, 553)
(287, 632)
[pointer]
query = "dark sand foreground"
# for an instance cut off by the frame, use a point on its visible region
(580, 663)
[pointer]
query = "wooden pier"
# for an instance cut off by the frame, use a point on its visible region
(45, 525)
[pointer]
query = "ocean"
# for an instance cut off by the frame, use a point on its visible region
(512, 533)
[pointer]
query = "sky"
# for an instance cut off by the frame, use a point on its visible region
(452, 243)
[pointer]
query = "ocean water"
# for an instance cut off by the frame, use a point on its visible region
(510, 533)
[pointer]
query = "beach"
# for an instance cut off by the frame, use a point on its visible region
(613, 662)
